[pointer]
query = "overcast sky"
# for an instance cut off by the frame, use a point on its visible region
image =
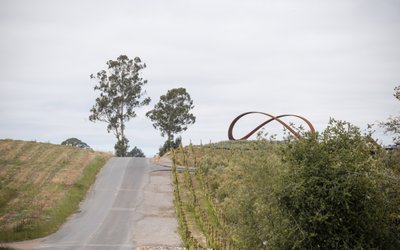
(319, 59)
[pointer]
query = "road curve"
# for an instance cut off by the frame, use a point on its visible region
(110, 216)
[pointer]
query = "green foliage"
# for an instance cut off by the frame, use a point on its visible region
(333, 190)
(392, 160)
(121, 147)
(226, 174)
(168, 145)
(74, 142)
(335, 193)
(392, 125)
(171, 115)
(136, 152)
(397, 92)
(120, 94)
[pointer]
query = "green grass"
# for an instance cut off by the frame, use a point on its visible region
(6, 248)
(242, 190)
(220, 168)
(41, 185)
(68, 204)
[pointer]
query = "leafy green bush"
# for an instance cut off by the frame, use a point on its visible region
(392, 160)
(337, 195)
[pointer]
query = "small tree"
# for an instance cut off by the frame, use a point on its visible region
(120, 93)
(74, 142)
(170, 144)
(136, 152)
(392, 125)
(171, 115)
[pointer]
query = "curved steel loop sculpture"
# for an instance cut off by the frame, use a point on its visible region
(272, 118)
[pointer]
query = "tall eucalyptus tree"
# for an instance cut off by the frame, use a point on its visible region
(121, 93)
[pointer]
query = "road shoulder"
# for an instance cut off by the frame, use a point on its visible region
(158, 227)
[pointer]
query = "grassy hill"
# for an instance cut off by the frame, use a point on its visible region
(41, 184)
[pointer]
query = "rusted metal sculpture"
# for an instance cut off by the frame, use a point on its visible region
(272, 118)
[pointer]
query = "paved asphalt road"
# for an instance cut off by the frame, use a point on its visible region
(107, 218)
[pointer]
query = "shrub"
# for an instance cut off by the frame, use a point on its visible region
(168, 145)
(336, 194)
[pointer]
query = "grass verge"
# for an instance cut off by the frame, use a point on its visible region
(42, 194)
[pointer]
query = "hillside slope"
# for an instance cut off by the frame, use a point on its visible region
(41, 185)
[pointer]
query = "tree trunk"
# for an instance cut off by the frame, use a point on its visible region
(124, 151)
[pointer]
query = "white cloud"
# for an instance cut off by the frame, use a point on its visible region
(319, 59)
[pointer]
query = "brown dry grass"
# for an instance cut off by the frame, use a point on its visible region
(34, 177)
